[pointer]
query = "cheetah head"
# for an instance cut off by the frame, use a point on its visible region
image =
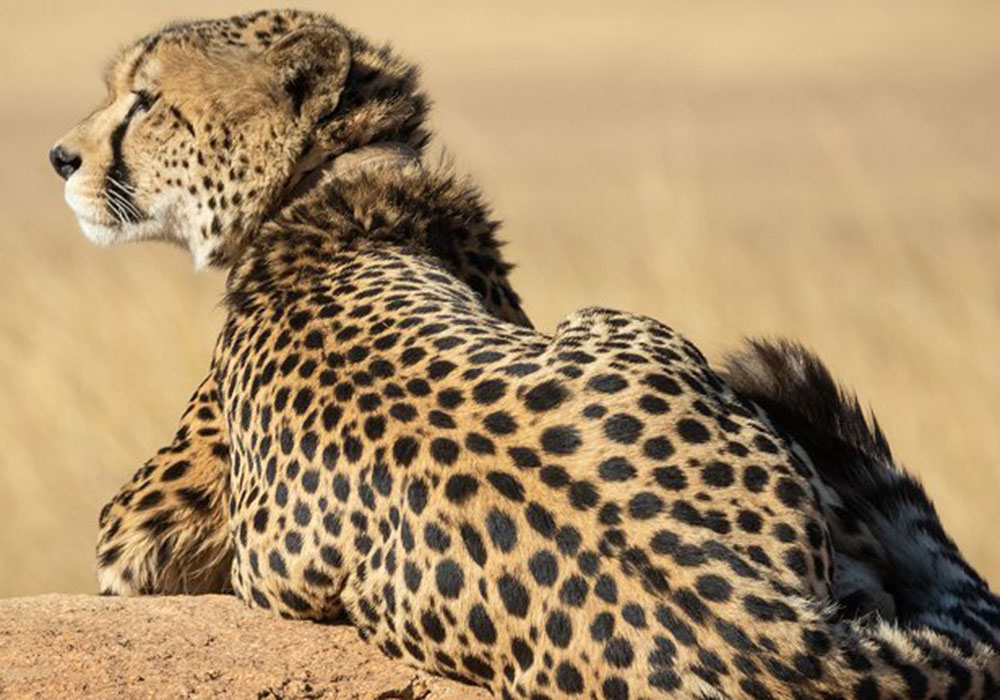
(208, 125)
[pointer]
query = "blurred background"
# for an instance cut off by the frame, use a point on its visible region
(827, 171)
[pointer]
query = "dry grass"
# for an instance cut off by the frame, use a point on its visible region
(826, 172)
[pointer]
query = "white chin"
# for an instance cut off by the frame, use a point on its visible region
(98, 233)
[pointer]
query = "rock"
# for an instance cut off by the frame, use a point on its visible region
(61, 646)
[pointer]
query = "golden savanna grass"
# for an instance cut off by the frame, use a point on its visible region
(826, 171)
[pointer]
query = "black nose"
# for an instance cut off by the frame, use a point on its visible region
(64, 162)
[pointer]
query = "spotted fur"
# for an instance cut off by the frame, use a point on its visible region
(919, 567)
(382, 435)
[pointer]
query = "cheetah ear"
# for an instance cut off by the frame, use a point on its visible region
(311, 64)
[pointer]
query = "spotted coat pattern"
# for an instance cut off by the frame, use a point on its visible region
(591, 513)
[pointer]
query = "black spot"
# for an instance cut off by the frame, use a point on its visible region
(645, 505)
(561, 440)
(755, 478)
(310, 480)
(501, 529)
(653, 405)
(717, 474)
(330, 455)
(784, 532)
(568, 679)
(404, 451)
(607, 383)
(611, 514)
(500, 423)
(175, 471)
(749, 521)
(507, 485)
(633, 614)
(692, 431)
(665, 680)
(436, 538)
(796, 561)
(658, 448)
(670, 478)
(602, 627)
(574, 591)
(353, 449)
(514, 595)
(332, 524)
(522, 653)
(618, 652)
(474, 544)
(416, 496)
(606, 589)
(481, 625)
(616, 469)
(341, 487)
(432, 626)
(622, 428)
(559, 628)
(524, 457)
(615, 688)
(713, 587)
(412, 576)
(540, 519)
(789, 492)
(691, 604)
(418, 387)
(544, 568)
(554, 476)
(568, 540)
(293, 601)
(460, 488)
(680, 630)
(583, 495)
(277, 564)
(151, 499)
(663, 384)
(302, 514)
(489, 391)
(450, 578)
(303, 399)
(260, 520)
(545, 396)
(444, 451)
(479, 444)
(403, 412)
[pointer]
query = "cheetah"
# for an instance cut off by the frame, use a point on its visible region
(382, 435)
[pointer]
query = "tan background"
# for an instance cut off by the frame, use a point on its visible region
(828, 172)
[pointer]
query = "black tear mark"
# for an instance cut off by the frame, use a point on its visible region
(118, 179)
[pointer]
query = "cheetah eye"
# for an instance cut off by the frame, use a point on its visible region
(144, 100)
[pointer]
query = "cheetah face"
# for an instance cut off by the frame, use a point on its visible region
(200, 131)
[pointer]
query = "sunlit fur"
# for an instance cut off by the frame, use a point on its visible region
(594, 512)
(239, 107)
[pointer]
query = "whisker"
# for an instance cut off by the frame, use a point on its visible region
(130, 189)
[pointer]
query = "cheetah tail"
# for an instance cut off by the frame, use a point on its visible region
(932, 584)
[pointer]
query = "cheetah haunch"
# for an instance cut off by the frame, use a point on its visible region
(382, 435)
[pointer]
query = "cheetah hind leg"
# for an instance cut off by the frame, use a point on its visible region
(917, 563)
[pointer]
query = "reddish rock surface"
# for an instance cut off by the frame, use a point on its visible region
(60, 646)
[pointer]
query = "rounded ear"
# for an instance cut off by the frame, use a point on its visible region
(311, 65)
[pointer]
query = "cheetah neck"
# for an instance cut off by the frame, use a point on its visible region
(381, 197)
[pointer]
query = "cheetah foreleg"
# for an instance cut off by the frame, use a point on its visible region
(166, 531)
